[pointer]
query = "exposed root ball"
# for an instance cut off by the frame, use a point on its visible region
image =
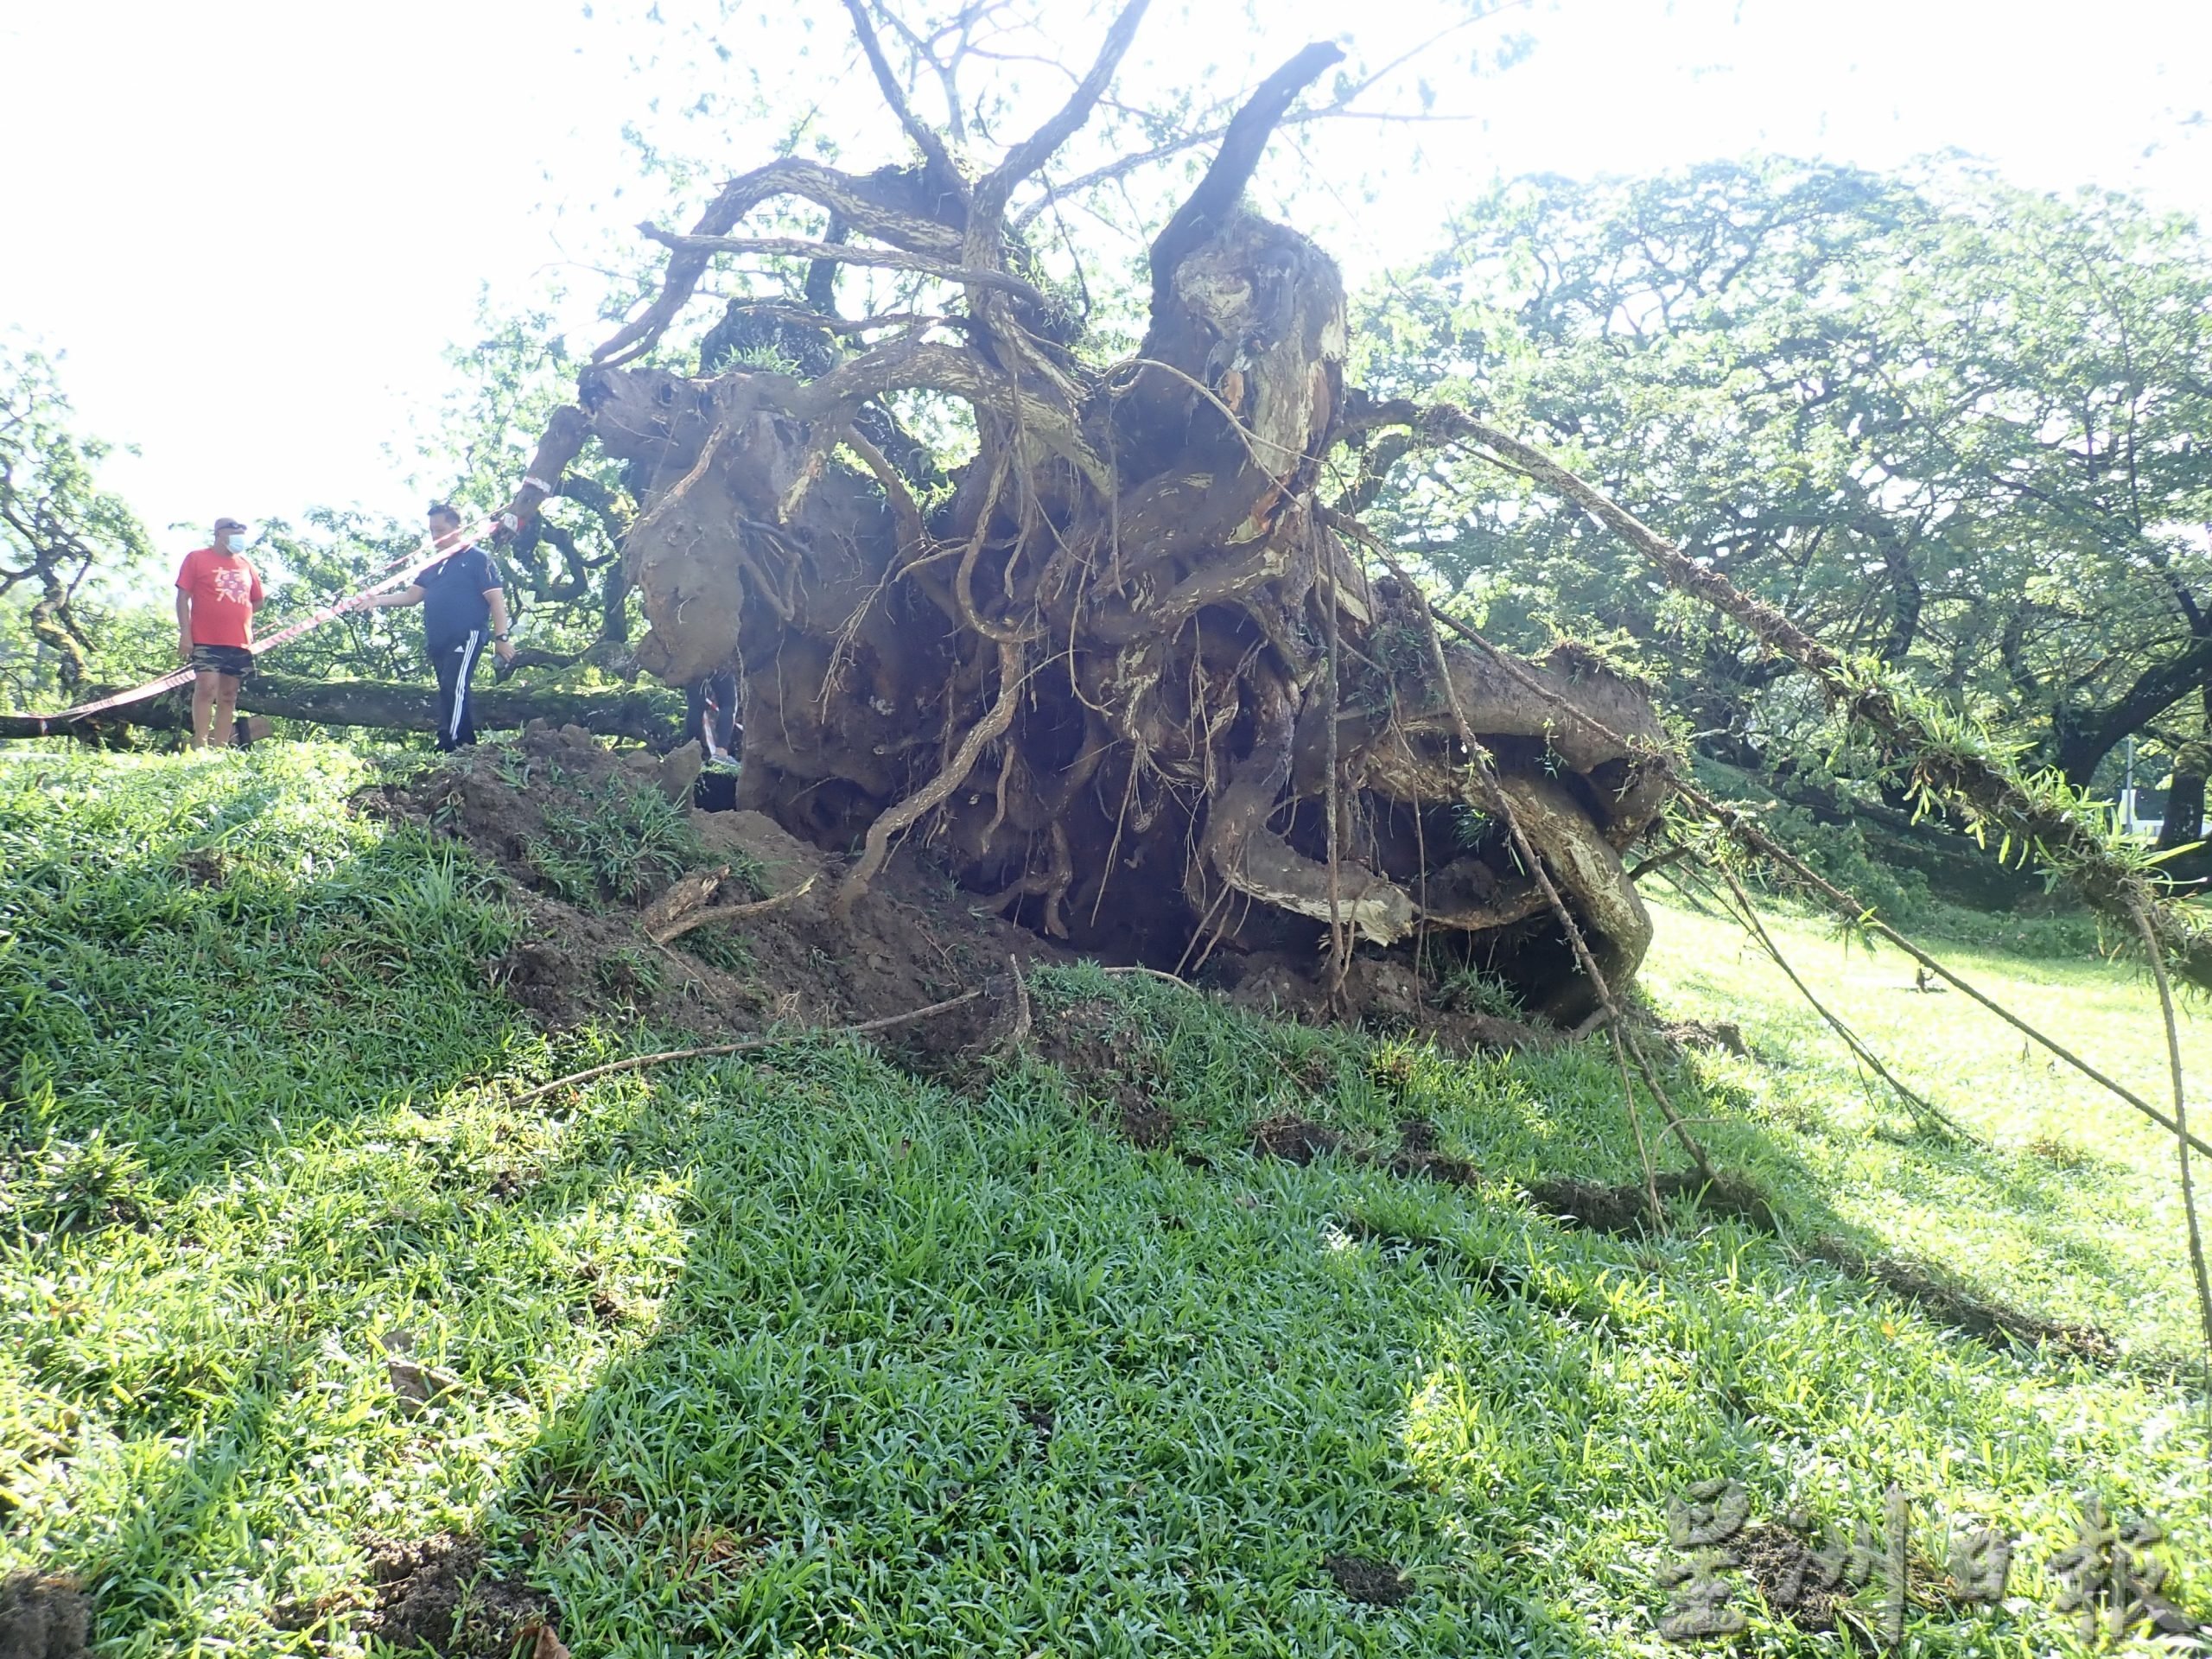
(1124, 675)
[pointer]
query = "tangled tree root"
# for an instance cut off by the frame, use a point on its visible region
(1123, 676)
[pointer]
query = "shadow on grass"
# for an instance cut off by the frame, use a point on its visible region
(969, 1373)
(945, 1374)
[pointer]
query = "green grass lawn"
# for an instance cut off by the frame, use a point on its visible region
(795, 1353)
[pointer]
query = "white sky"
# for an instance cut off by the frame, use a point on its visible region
(253, 226)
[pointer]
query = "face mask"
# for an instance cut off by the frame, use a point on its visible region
(235, 543)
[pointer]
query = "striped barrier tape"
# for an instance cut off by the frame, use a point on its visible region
(390, 576)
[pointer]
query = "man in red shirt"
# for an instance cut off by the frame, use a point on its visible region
(217, 591)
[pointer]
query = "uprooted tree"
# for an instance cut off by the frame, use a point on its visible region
(1126, 672)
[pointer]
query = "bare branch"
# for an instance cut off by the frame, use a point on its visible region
(925, 139)
(1241, 148)
(846, 254)
(862, 203)
(1025, 157)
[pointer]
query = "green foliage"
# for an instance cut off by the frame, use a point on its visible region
(1946, 425)
(795, 1352)
(612, 839)
(69, 1187)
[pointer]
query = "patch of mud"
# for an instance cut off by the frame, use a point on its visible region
(44, 1616)
(1360, 1579)
(1952, 1305)
(1627, 1208)
(431, 1593)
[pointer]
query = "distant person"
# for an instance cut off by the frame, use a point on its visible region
(710, 716)
(217, 590)
(710, 720)
(463, 606)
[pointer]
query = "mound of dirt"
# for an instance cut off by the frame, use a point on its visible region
(432, 1593)
(910, 941)
(1376, 1584)
(44, 1617)
(753, 933)
(1791, 1579)
(1298, 1140)
(1627, 1208)
(1384, 996)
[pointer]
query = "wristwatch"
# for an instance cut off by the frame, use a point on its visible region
(499, 639)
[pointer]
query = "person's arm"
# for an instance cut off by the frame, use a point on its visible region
(183, 626)
(410, 594)
(497, 599)
(254, 596)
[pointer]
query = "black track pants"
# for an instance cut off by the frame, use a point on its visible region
(455, 663)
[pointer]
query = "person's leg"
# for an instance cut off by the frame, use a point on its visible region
(456, 729)
(225, 712)
(204, 685)
(464, 733)
(447, 664)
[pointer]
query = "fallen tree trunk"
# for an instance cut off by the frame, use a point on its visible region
(653, 716)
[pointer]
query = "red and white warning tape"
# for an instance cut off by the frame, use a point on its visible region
(401, 570)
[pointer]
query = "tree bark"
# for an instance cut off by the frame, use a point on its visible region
(2184, 819)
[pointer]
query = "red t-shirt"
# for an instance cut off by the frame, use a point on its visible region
(224, 589)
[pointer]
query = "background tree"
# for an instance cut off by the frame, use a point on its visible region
(65, 540)
(1946, 424)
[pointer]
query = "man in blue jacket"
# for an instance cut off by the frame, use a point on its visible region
(464, 608)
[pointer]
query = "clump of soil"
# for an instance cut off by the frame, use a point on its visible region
(1724, 1034)
(1376, 1584)
(1298, 1140)
(1789, 1575)
(1089, 1041)
(1961, 1309)
(1293, 1139)
(1385, 996)
(431, 1593)
(1039, 1419)
(912, 940)
(204, 867)
(44, 1616)
(1627, 1208)
(1418, 1154)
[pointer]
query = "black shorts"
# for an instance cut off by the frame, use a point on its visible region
(235, 662)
